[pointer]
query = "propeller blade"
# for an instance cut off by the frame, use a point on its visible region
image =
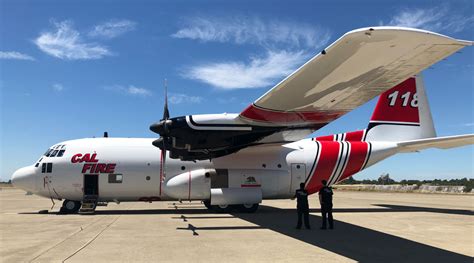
(166, 113)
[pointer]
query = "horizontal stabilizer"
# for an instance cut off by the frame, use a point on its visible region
(440, 142)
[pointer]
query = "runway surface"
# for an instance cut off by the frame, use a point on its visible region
(370, 227)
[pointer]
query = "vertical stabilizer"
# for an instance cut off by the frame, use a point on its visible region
(402, 113)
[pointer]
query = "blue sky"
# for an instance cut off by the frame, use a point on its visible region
(73, 69)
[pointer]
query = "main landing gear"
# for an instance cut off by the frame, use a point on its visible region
(244, 208)
(70, 207)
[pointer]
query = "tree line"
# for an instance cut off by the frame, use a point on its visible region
(386, 180)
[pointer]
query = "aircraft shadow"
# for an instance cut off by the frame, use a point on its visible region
(351, 241)
(399, 208)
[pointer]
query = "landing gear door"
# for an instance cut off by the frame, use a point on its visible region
(298, 175)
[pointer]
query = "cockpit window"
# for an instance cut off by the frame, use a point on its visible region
(38, 162)
(53, 153)
(48, 152)
(57, 150)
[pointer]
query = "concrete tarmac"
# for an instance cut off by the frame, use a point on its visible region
(369, 227)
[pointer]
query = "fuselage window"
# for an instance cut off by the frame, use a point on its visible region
(49, 167)
(115, 178)
(61, 153)
(43, 168)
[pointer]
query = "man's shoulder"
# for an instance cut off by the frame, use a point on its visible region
(303, 192)
(326, 189)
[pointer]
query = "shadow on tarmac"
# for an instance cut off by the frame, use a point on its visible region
(352, 241)
(348, 240)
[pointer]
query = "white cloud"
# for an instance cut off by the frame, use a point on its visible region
(258, 72)
(15, 55)
(112, 28)
(226, 100)
(58, 87)
(138, 91)
(65, 42)
(178, 98)
(243, 30)
(437, 19)
(129, 90)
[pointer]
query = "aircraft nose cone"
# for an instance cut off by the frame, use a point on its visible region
(156, 127)
(24, 178)
(162, 127)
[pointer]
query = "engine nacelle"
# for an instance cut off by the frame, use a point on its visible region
(192, 185)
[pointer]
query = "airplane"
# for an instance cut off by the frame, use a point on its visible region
(234, 161)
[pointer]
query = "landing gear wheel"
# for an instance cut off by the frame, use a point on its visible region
(222, 208)
(70, 207)
(207, 204)
(247, 208)
(217, 208)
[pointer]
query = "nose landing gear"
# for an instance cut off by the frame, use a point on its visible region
(70, 207)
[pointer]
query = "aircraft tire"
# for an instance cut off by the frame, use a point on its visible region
(247, 208)
(207, 204)
(221, 208)
(70, 207)
(217, 208)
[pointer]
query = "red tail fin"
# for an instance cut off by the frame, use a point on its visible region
(398, 105)
(402, 113)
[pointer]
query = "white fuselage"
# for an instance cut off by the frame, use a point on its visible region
(275, 170)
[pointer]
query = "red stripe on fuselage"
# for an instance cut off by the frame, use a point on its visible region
(325, 138)
(356, 159)
(259, 114)
(325, 166)
(189, 186)
(355, 136)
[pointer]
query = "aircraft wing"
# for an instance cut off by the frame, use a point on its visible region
(356, 68)
(359, 66)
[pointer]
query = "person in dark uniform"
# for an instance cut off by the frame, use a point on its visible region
(302, 206)
(325, 199)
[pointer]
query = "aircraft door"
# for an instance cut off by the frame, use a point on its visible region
(298, 175)
(91, 184)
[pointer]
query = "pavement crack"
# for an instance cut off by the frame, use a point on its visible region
(91, 240)
(64, 240)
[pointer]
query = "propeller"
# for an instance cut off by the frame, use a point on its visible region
(162, 128)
